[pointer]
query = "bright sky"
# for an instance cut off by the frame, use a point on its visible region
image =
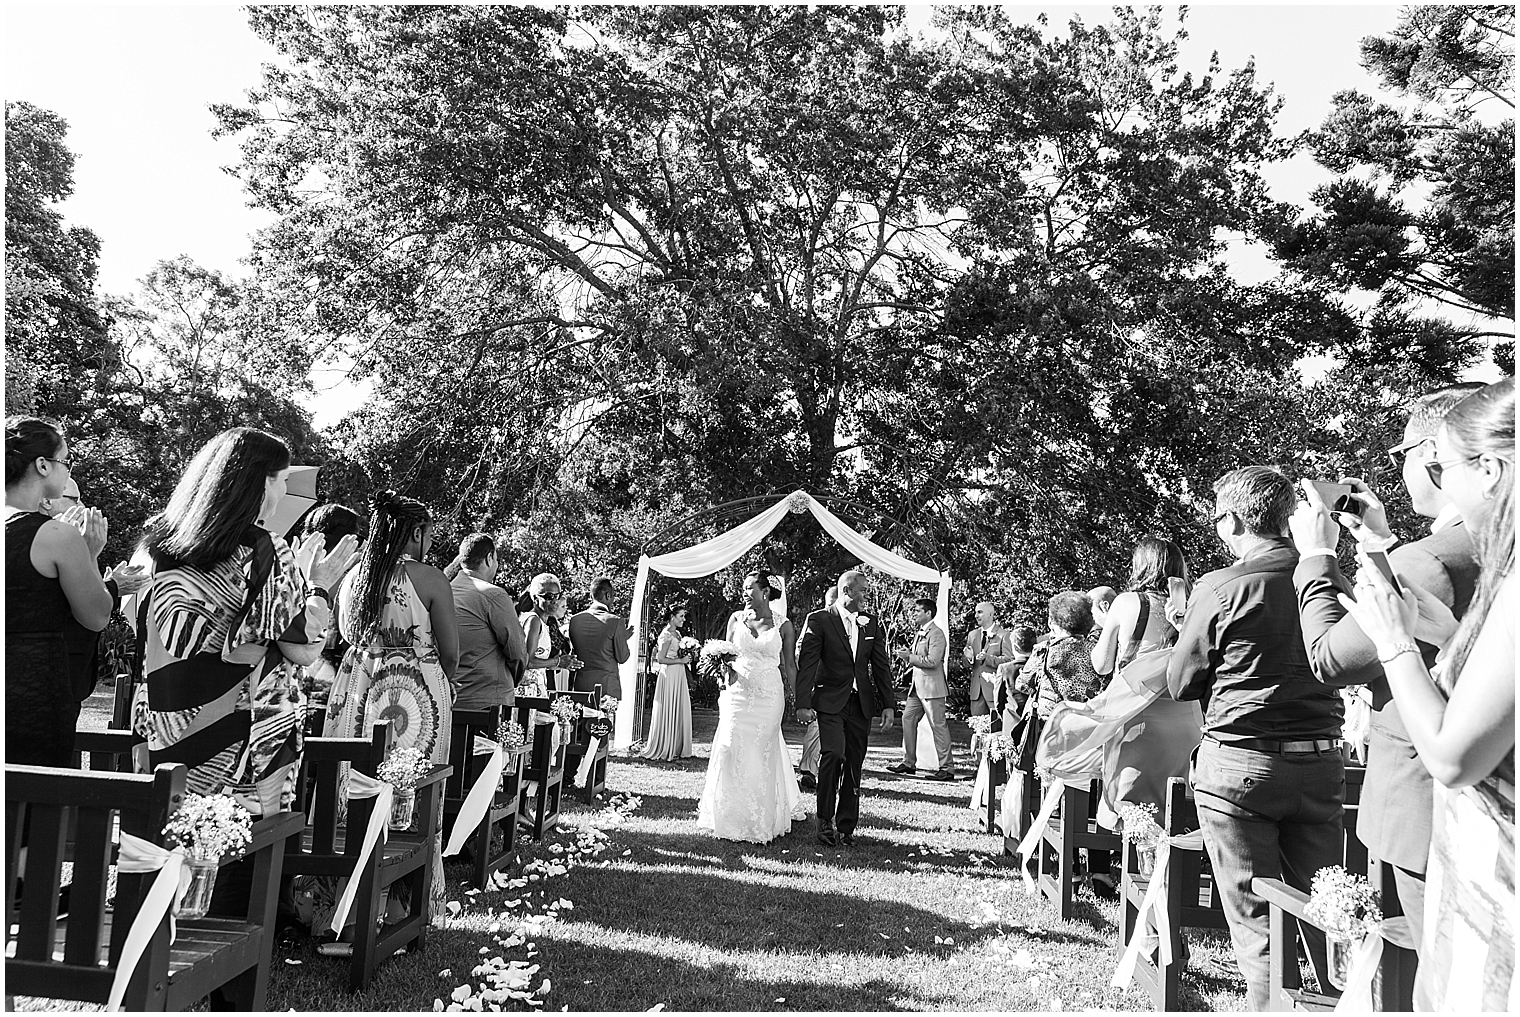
(134, 83)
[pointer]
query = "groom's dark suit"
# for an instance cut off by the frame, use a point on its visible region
(846, 689)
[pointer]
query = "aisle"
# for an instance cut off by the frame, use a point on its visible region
(917, 917)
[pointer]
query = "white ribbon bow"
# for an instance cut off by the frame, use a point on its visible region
(982, 788)
(138, 855)
(1031, 839)
(1153, 909)
(1364, 964)
(583, 772)
(482, 793)
(361, 785)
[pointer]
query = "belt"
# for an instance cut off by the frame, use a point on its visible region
(1308, 748)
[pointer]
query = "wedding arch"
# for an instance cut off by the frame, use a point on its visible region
(718, 553)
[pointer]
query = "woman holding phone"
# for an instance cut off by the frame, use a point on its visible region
(1461, 718)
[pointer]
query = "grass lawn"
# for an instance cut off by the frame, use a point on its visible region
(629, 907)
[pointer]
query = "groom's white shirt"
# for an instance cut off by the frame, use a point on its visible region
(851, 625)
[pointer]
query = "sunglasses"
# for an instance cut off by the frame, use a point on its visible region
(1436, 468)
(1398, 452)
(67, 462)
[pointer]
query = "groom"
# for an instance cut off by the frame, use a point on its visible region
(844, 678)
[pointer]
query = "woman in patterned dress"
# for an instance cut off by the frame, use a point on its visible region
(398, 614)
(1462, 719)
(230, 612)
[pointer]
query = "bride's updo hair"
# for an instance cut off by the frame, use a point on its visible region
(764, 579)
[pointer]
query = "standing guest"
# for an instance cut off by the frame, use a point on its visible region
(490, 638)
(536, 608)
(670, 723)
(51, 578)
(333, 522)
(225, 593)
(559, 643)
(1102, 598)
(398, 614)
(927, 696)
(1269, 777)
(987, 646)
(600, 638)
(1395, 813)
(1462, 720)
(812, 747)
(82, 644)
(1157, 743)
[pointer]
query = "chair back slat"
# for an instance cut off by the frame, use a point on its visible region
(87, 898)
(321, 787)
(47, 833)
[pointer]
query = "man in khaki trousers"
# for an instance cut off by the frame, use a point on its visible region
(927, 697)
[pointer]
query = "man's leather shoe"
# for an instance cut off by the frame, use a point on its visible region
(847, 839)
(901, 768)
(827, 835)
(940, 775)
(807, 781)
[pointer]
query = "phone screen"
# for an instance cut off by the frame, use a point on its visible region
(1331, 493)
(1380, 561)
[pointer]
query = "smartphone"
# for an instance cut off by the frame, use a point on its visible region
(1380, 562)
(1331, 494)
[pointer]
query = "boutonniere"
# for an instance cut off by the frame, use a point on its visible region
(864, 619)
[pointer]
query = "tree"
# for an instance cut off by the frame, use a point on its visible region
(1424, 211)
(56, 336)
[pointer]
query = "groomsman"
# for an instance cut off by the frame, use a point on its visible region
(926, 697)
(987, 646)
(599, 636)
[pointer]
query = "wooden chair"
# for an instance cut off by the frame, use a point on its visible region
(502, 815)
(1026, 813)
(1073, 826)
(580, 742)
(544, 768)
(1191, 900)
(1287, 914)
(404, 861)
(75, 956)
(105, 750)
(997, 776)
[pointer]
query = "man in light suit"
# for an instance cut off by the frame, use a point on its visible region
(1395, 811)
(600, 638)
(987, 646)
(927, 695)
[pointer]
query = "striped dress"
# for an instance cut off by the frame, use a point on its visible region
(219, 696)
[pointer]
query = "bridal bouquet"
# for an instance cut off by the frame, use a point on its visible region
(210, 828)
(689, 648)
(718, 655)
(1343, 904)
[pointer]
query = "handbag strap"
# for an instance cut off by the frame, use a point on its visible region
(1045, 673)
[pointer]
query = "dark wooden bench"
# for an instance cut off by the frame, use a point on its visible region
(75, 956)
(502, 814)
(1073, 826)
(1190, 897)
(544, 768)
(580, 743)
(404, 862)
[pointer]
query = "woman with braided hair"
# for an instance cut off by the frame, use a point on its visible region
(398, 615)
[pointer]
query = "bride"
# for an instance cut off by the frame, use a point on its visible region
(751, 793)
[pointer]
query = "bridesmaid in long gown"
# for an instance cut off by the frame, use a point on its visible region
(670, 724)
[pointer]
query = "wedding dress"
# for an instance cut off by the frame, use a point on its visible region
(751, 793)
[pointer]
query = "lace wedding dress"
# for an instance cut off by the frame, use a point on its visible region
(751, 794)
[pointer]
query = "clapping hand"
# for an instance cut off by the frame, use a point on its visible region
(329, 568)
(129, 578)
(92, 525)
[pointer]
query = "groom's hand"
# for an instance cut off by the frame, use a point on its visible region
(806, 716)
(888, 718)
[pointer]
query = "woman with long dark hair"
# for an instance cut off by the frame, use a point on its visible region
(398, 614)
(1462, 718)
(51, 576)
(670, 723)
(229, 613)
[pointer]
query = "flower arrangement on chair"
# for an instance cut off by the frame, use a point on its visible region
(209, 829)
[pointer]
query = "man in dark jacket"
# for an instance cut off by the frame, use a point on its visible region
(1269, 777)
(1394, 820)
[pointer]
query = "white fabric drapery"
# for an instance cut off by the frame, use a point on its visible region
(721, 551)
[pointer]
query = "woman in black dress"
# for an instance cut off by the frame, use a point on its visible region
(50, 574)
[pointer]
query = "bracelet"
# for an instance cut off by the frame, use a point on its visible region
(1399, 649)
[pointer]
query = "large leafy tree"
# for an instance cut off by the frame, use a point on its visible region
(1423, 213)
(608, 265)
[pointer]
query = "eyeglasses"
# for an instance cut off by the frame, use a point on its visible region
(1435, 468)
(1220, 515)
(66, 463)
(1398, 452)
(70, 497)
